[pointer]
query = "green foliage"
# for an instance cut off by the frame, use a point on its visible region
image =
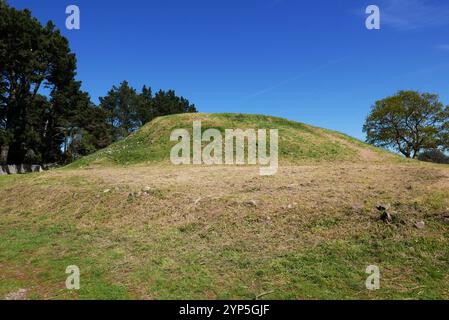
(444, 134)
(44, 115)
(126, 110)
(408, 122)
(33, 59)
(120, 105)
(434, 155)
(166, 103)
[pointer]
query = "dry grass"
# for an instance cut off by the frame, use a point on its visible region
(150, 230)
(198, 234)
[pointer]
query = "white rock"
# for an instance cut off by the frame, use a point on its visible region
(420, 225)
(252, 203)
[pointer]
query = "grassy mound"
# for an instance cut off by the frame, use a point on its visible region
(224, 232)
(298, 142)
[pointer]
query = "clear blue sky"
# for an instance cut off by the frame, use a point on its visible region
(312, 61)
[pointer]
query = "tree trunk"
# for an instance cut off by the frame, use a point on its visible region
(4, 150)
(406, 154)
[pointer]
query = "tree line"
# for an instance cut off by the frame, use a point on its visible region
(45, 117)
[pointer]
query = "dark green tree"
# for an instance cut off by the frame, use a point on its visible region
(32, 57)
(77, 127)
(36, 128)
(121, 105)
(408, 122)
(126, 110)
(44, 114)
(167, 102)
(434, 155)
(145, 108)
(444, 134)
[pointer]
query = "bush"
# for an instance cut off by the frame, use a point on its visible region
(435, 156)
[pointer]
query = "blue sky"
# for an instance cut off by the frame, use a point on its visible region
(312, 61)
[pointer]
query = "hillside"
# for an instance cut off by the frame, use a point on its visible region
(298, 142)
(139, 227)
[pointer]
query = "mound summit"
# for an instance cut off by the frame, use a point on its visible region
(299, 143)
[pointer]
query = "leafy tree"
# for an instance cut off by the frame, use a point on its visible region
(444, 134)
(32, 57)
(44, 114)
(121, 105)
(76, 124)
(408, 122)
(126, 110)
(434, 155)
(166, 102)
(34, 128)
(145, 108)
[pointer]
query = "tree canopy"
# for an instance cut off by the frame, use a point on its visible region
(409, 122)
(127, 110)
(37, 88)
(45, 117)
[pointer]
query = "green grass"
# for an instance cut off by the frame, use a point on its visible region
(298, 142)
(197, 261)
(164, 246)
(42, 249)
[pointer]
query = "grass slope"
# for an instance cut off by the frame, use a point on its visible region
(197, 233)
(298, 142)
